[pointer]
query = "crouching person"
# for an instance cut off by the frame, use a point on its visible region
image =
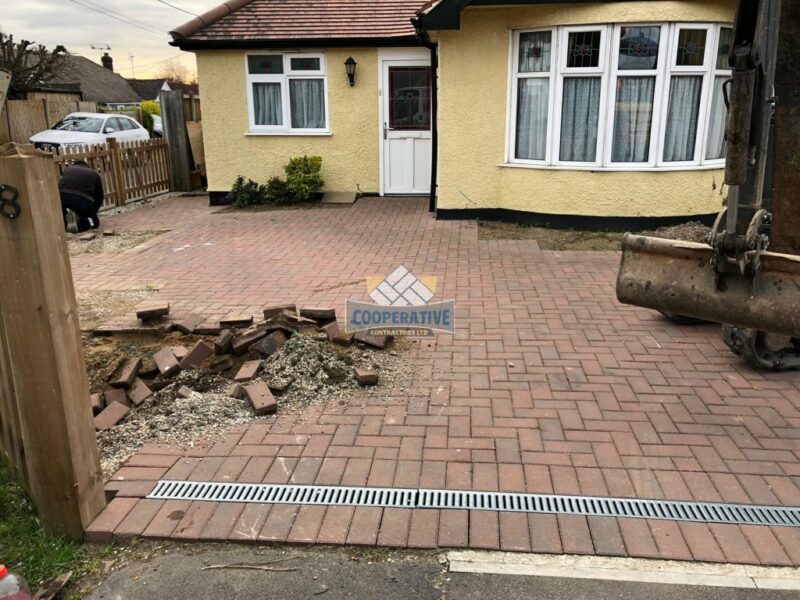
(81, 190)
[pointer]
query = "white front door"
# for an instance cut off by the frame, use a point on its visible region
(406, 126)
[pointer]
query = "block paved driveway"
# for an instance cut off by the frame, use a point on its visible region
(549, 385)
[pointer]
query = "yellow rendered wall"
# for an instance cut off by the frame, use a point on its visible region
(473, 92)
(349, 154)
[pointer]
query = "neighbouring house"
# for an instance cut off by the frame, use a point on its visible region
(148, 89)
(97, 83)
(601, 114)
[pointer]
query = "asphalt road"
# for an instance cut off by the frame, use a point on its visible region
(340, 573)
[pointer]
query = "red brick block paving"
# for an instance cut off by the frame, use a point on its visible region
(548, 385)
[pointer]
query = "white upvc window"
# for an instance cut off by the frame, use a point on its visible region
(618, 97)
(287, 92)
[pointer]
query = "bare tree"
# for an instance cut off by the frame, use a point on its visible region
(29, 63)
(177, 73)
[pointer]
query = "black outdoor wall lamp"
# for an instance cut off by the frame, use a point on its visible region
(350, 66)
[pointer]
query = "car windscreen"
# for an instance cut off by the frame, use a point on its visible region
(76, 123)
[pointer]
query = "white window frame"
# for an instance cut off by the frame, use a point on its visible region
(609, 72)
(283, 79)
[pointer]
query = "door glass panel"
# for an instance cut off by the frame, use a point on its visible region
(583, 49)
(638, 48)
(691, 48)
(410, 98)
(534, 51)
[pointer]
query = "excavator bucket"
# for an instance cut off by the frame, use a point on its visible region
(677, 277)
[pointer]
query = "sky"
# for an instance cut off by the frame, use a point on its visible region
(78, 26)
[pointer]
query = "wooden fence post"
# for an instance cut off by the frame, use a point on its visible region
(41, 357)
(174, 121)
(116, 166)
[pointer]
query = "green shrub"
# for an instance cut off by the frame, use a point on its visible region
(277, 191)
(303, 178)
(149, 108)
(246, 192)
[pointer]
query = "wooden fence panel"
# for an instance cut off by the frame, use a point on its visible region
(25, 118)
(56, 110)
(83, 106)
(141, 166)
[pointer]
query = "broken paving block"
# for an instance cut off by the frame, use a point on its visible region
(110, 416)
(184, 392)
(148, 369)
(261, 398)
(166, 362)
(268, 345)
(152, 310)
(139, 392)
(199, 352)
(248, 370)
(279, 386)
(223, 364)
(224, 342)
(96, 400)
(331, 329)
(179, 351)
(187, 324)
(236, 321)
(320, 315)
(115, 395)
(242, 342)
(108, 232)
(377, 341)
(365, 376)
(273, 311)
(237, 391)
(87, 237)
(125, 374)
(208, 327)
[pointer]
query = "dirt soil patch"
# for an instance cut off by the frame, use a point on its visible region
(571, 239)
(109, 244)
(95, 307)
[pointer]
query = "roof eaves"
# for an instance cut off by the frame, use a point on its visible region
(206, 19)
(233, 44)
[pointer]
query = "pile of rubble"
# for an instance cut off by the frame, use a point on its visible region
(288, 354)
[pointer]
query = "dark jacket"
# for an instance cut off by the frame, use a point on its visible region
(83, 181)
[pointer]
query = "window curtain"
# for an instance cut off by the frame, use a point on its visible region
(532, 101)
(307, 103)
(267, 107)
(534, 52)
(715, 147)
(681, 129)
(632, 118)
(579, 119)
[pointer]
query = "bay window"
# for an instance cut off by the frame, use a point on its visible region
(287, 93)
(619, 96)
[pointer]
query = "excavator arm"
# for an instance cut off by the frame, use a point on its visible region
(748, 274)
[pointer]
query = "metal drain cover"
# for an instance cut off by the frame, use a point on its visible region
(265, 493)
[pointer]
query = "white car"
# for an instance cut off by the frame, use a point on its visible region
(82, 129)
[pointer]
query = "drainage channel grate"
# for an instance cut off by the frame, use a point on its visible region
(264, 493)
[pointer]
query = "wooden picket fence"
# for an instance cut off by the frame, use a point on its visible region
(130, 170)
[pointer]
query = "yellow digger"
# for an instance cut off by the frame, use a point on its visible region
(747, 275)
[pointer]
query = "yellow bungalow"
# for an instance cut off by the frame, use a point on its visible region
(562, 113)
